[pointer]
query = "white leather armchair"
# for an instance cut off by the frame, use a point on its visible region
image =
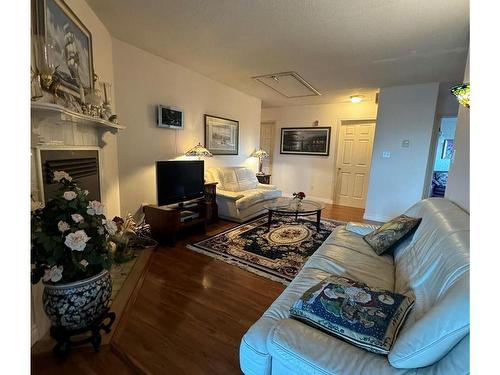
(240, 197)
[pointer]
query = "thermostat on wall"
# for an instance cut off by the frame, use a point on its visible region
(170, 117)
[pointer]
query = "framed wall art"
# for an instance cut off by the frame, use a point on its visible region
(305, 141)
(221, 135)
(72, 44)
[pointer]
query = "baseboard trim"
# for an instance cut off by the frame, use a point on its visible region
(375, 217)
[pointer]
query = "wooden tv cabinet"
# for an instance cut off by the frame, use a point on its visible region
(167, 221)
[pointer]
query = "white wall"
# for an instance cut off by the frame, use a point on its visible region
(405, 112)
(313, 175)
(458, 187)
(143, 81)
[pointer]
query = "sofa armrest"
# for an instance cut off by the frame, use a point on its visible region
(229, 195)
(266, 187)
(361, 228)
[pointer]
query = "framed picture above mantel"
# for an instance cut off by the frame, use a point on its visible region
(305, 141)
(71, 44)
(221, 135)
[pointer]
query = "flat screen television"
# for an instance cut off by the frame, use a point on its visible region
(179, 181)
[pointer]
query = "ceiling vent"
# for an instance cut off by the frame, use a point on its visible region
(288, 84)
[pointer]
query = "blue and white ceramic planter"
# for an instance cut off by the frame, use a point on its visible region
(76, 305)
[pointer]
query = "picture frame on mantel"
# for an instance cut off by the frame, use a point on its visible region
(72, 42)
(221, 135)
(305, 141)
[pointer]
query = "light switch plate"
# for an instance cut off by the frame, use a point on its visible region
(386, 154)
(405, 143)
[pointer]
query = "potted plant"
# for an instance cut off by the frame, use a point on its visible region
(70, 254)
(125, 231)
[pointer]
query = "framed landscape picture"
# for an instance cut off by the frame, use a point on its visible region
(72, 42)
(305, 141)
(221, 135)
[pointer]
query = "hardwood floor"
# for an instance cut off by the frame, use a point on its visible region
(188, 317)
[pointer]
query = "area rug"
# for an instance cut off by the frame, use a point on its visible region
(278, 254)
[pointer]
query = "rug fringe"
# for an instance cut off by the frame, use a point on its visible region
(239, 264)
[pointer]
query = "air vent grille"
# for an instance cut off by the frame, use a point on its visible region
(289, 84)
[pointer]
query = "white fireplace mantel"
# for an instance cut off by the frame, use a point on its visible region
(53, 124)
(56, 127)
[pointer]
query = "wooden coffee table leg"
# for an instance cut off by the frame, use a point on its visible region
(318, 220)
(269, 219)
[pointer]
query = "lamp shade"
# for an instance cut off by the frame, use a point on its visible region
(462, 93)
(199, 151)
(261, 154)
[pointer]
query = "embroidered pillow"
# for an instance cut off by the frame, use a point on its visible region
(363, 316)
(389, 234)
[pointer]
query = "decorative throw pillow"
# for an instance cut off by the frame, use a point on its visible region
(389, 234)
(366, 317)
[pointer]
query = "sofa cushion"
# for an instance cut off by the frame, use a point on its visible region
(346, 254)
(388, 235)
(361, 228)
(228, 179)
(299, 349)
(251, 197)
(246, 179)
(364, 316)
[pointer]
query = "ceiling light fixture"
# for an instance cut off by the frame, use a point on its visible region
(356, 98)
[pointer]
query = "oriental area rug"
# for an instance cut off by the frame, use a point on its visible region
(277, 254)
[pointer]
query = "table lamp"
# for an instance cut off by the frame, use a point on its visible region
(261, 154)
(199, 151)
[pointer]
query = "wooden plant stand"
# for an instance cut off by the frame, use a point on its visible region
(64, 336)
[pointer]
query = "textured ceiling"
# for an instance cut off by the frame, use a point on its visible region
(340, 47)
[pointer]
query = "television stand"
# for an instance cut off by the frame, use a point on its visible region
(167, 222)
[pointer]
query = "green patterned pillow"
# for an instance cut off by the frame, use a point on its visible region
(363, 316)
(389, 234)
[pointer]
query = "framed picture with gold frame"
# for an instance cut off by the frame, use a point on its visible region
(71, 42)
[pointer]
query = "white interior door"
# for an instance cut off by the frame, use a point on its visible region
(353, 163)
(267, 143)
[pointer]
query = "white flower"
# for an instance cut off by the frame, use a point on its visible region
(54, 274)
(77, 241)
(63, 226)
(110, 226)
(85, 192)
(59, 175)
(77, 218)
(100, 230)
(35, 205)
(69, 195)
(84, 263)
(95, 208)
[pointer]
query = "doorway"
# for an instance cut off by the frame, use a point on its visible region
(354, 156)
(267, 143)
(444, 155)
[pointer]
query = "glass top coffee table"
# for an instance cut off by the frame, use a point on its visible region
(292, 207)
